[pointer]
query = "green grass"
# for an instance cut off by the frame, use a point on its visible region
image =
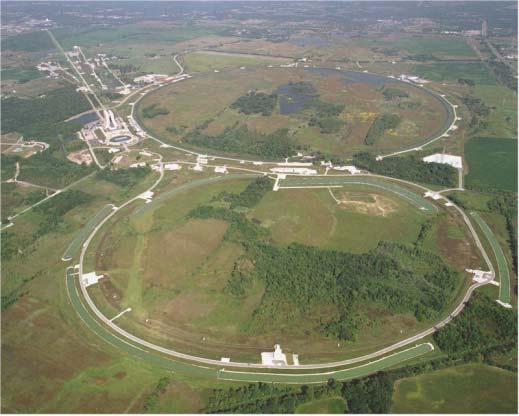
(332, 405)
(473, 388)
(492, 163)
(437, 46)
(502, 266)
(204, 61)
(502, 121)
(452, 71)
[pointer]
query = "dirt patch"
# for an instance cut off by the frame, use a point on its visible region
(364, 203)
(120, 375)
(81, 157)
(457, 249)
(110, 292)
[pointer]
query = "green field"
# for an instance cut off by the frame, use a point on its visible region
(492, 163)
(502, 266)
(333, 405)
(452, 71)
(473, 388)
(209, 61)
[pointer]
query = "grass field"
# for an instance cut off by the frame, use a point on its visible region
(332, 405)
(452, 71)
(206, 103)
(492, 163)
(209, 61)
(474, 388)
(502, 266)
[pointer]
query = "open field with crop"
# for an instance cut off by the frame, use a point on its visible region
(474, 388)
(492, 163)
(203, 61)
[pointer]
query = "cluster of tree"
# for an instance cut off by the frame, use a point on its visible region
(410, 167)
(125, 178)
(51, 168)
(8, 165)
(466, 81)
(153, 111)
(380, 125)
(250, 196)
(504, 73)
(371, 394)
(241, 229)
(422, 57)
(482, 324)
(38, 116)
(400, 277)
(326, 116)
(256, 103)
(54, 209)
(391, 93)
(239, 139)
(327, 125)
(478, 111)
(151, 399)
(506, 205)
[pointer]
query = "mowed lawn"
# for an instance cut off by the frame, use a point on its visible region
(492, 163)
(473, 388)
(332, 405)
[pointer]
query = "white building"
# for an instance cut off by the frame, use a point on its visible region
(274, 358)
(172, 166)
(350, 168)
(91, 278)
(299, 171)
(454, 161)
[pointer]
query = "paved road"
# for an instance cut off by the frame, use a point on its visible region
(247, 376)
(206, 361)
(73, 248)
(502, 265)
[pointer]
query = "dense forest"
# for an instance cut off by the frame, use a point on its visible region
(401, 278)
(125, 178)
(153, 111)
(256, 103)
(380, 125)
(410, 167)
(250, 196)
(36, 117)
(367, 395)
(390, 93)
(239, 139)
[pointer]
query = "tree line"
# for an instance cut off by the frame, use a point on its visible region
(410, 168)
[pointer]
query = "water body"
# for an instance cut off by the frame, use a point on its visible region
(84, 119)
(353, 77)
(295, 96)
(119, 139)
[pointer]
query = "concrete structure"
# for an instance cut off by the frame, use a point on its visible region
(274, 358)
(349, 168)
(91, 278)
(172, 166)
(147, 196)
(443, 158)
(220, 169)
(300, 171)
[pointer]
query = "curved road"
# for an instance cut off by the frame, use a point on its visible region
(329, 365)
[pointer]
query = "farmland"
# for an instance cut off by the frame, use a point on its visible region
(484, 389)
(492, 163)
